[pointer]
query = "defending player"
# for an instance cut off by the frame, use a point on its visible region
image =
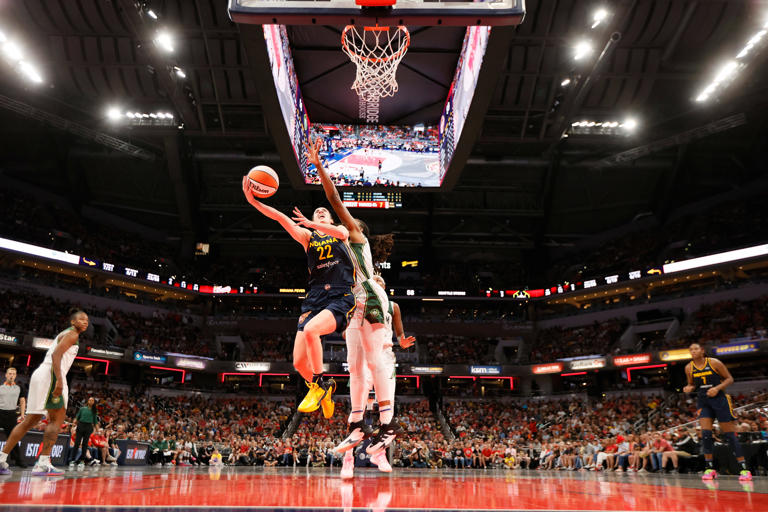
(711, 377)
(329, 302)
(48, 393)
(366, 333)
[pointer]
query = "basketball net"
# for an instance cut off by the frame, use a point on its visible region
(376, 51)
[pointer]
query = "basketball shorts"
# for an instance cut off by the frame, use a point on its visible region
(372, 302)
(338, 301)
(40, 398)
(720, 407)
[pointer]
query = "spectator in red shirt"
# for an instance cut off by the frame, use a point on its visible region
(98, 442)
(659, 446)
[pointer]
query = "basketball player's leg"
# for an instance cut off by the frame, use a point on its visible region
(358, 393)
(384, 385)
(300, 357)
(727, 422)
(320, 389)
(321, 324)
(706, 420)
(43, 466)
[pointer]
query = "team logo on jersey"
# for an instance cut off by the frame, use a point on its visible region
(304, 316)
(56, 399)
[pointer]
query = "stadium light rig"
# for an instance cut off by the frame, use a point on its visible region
(582, 49)
(164, 41)
(14, 56)
(729, 70)
(599, 16)
(158, 119)
(626, 127)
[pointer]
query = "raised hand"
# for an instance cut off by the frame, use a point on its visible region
(313, 151)
(300, 219)
(406, 342)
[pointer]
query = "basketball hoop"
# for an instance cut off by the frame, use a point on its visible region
(376, 51)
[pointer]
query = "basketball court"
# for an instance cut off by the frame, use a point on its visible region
(450, 98)
(311, 489)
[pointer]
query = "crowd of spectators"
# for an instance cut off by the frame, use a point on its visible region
(269, 347)
(58, 226)
(614, 433)
(27, 312)
(730, 225)
(638, 432)
(723, 321)
(457, 349)
(557, 342)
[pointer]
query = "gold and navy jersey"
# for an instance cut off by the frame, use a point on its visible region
(706, 377)
(329, 261)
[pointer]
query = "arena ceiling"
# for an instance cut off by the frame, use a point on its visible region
(525, 188)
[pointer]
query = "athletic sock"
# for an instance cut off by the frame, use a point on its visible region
(743, 464)
(710, 464)
(386, 414)
(349, 456)
(317, 378)
(44, 459)
(3, 456)
(356, 416)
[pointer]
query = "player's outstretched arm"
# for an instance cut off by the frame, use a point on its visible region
(297, 232)
(339, 232)
(397, 322)
(313, 155)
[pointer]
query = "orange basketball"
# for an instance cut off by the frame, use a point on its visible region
(263, 181)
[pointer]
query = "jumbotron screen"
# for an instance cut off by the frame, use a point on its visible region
(365, 155)
(377, 156)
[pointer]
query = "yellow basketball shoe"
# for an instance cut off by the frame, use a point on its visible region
(327, 401)
(313, 398)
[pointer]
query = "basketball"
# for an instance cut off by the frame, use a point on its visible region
(263, 181)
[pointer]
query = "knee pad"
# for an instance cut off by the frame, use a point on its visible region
(733, 442)
(707, 441)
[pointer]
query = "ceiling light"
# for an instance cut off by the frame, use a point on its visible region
(2, 37)
(630, 124)
(12, 51)
(113, 113)
(179, 72)
(565, 82)
(30, 72)
(151, 14)
(728, 70)
(164, 41)
(582, 49)
(598, 17)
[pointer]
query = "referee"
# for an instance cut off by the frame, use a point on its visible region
(10, 395)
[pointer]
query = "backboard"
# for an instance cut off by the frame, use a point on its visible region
(403, 12)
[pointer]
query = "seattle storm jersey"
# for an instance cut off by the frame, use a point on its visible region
(705, 378)
(329, 262)
(67, 358)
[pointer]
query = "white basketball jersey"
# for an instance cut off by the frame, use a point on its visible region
(363, 261)
(66, 359)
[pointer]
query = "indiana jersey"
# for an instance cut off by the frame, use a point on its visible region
(329, 261)
(706, 377)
